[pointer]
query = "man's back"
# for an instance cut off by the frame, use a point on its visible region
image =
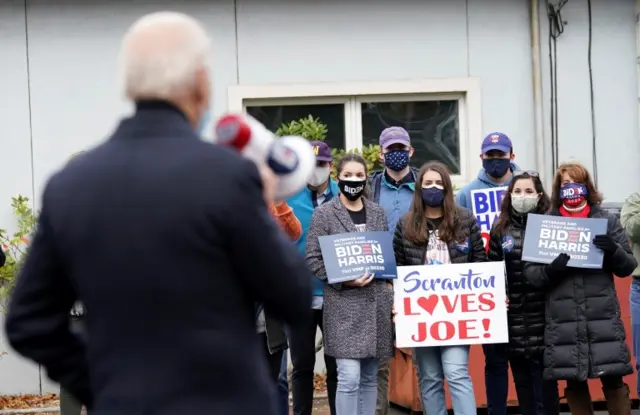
(161, 236)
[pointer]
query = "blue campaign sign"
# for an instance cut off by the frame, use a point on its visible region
(347, 256)
(548, 236)
(485, 205)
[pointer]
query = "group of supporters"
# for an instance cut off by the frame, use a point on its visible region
(564, 322)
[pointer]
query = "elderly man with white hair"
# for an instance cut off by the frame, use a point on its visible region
(168, 243)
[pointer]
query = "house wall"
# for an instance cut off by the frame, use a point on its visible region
(59, 92)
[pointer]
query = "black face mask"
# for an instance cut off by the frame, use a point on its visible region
(432, 196)
(351, 189)
(496, 167)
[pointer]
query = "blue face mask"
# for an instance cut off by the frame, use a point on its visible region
(203, 123)
(433, 196)
(496, 167)
(396, 160)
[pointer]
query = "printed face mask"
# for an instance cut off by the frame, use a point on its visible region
(524, 203)
(351, 189)
(496, 167)
(573, 194)
(396, 160)
(433, 196)
(319, 176)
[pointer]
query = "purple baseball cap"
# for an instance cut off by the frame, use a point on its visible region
(496, 141)
(394, 135)
(322, 151)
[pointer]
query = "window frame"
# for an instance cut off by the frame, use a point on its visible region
(352, 94)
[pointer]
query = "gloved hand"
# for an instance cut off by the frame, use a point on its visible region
(605, 243)
(559, 264)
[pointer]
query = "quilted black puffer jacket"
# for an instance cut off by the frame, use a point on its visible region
(526, 302)
(469, 248)
(584, 335)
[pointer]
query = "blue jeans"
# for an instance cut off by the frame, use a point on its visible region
(434, 365)
(283, 387)
(496, 377)
(635, 326)
(357, 386)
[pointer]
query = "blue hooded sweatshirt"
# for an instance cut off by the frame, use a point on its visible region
(302, 205)
(463, 197)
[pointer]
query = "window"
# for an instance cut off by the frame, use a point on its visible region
(442, 115)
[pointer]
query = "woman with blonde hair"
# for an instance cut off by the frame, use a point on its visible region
(584, 335)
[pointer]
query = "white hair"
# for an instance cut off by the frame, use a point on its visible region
(161, 54)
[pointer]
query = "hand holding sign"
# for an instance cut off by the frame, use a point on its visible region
(362, 281)
(605, 243)
(559, 264)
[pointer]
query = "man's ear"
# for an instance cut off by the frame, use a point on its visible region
(381, 156)
(481, 158)
(512, 156)
(410, 151)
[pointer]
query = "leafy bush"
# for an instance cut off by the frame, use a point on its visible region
(315, 130)
(15, 246)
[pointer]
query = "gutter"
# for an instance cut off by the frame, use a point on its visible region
(538, 128)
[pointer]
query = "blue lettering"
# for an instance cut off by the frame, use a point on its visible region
(408, 278)
(466, 281)
(480, 203)
(484, 221)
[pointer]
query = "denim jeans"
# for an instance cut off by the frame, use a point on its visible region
(357, 386)
(283, 387)
(635, 326)
(496, 377)
(434, 365)
(536, 396)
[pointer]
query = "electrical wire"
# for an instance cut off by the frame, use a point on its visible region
(556, 28)
(593, 112)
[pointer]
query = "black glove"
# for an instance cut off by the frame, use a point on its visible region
(605, 243)
(559, 264)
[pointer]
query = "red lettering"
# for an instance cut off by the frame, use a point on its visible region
(468, 303)
(486, 302)
(446, 300)
(422, 333)
(407, 307)
(464, 326)
(450, 330)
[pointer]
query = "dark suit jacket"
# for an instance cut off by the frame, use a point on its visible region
(167, 241)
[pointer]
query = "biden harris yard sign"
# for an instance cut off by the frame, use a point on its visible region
(548, 236)
(485, 204)
(347, 256)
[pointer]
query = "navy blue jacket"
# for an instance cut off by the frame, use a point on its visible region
(167, 240)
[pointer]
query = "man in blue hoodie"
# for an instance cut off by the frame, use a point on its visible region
(497, 171)
(302, 338)
(392, 188)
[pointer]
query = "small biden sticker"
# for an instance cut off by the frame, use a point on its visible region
(507, 243)
(463, 246)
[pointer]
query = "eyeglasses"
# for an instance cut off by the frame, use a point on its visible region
(531, 173)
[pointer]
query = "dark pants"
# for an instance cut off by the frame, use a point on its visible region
(496, 377)
(302, 346)
(535, 395)
(69, 405)
(274, 361)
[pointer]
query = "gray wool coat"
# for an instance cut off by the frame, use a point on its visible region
(357, 321)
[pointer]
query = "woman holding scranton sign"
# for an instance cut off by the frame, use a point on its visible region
(584, 336)
(524, 195)
(436, 231)
(357, 314)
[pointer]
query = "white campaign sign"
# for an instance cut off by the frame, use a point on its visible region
(451, 304)
(485, 205)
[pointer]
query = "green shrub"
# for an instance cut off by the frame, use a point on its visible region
(15, 246)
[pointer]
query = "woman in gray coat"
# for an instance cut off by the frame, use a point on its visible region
(357, 314)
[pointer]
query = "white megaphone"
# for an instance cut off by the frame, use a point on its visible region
(290, 157)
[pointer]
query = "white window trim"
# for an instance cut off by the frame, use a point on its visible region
(352, 94)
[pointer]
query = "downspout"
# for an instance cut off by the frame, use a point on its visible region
(638, 51)
(538, 128)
